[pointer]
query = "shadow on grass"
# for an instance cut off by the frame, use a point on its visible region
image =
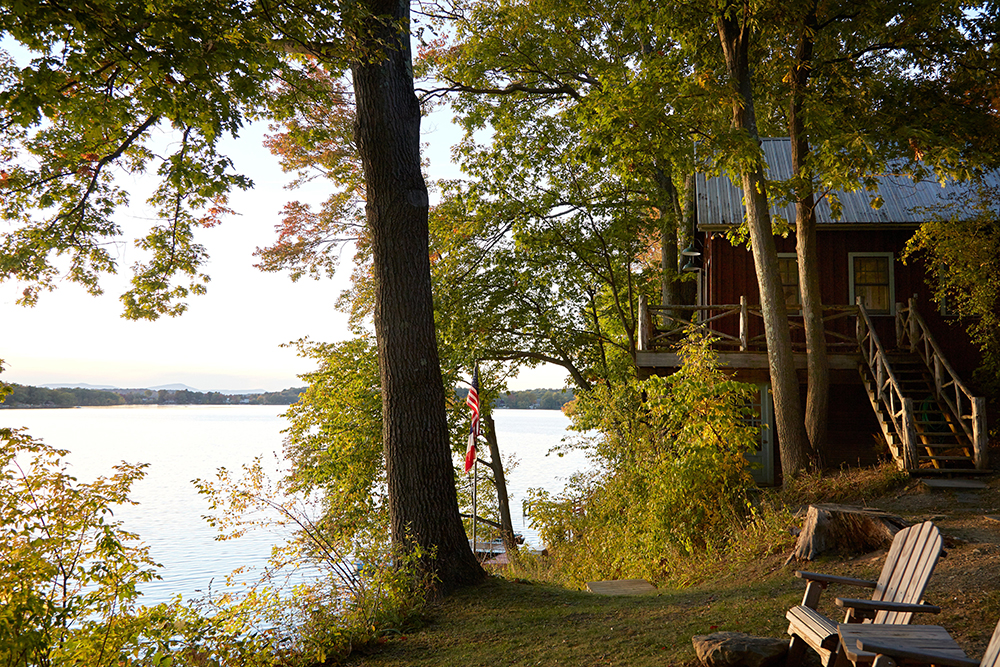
(520, 623)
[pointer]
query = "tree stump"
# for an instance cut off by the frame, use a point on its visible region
(846, 529)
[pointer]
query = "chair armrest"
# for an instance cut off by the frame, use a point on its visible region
(882, 605)
(834, 579)
(897, 651)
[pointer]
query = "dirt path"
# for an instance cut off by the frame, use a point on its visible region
(966, 582)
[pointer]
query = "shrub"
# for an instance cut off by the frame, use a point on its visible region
(68, 571)
(671, 478)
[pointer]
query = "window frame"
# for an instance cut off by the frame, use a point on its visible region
(795, 309)
(891, 268)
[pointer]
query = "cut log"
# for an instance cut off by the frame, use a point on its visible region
(846, 529)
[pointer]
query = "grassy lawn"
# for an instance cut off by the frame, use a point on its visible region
(521, 622)
(516, 622)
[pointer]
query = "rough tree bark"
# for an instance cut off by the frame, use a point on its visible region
(817, 363)
(735, 37)
(689, 288)
(670, 289)
(423, 503)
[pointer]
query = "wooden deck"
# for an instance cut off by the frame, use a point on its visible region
(930, 419)
(749, 366)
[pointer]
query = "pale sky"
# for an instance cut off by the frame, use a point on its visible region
(229, 339)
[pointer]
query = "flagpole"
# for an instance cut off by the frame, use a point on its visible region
(470, 454)
(475, 517)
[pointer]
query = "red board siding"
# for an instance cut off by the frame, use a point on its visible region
(730, 274)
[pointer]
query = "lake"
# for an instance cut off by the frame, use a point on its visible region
(182, 443)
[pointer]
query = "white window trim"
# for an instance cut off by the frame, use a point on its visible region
(892, 279)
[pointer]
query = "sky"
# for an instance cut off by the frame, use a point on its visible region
(230, 339)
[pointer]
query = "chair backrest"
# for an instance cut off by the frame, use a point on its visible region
(912, 557)
(992, 656)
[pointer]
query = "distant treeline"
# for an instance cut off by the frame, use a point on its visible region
(530, 399)
(27, 396)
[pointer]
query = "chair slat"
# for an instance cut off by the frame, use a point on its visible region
(992, 656)
(916, 560)
(908, 566)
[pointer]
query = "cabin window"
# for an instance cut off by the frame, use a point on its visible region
(871, 279)
(947, 307)
(788, 269)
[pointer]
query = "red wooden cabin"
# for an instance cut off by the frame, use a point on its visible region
(875, 377)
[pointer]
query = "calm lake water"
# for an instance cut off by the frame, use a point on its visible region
(182, 443)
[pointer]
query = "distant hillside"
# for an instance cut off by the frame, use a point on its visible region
(529, 399)
(25, 396)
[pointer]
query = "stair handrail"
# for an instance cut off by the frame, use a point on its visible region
(887, 387)
(914, 333)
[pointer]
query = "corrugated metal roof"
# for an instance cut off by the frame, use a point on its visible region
(721, 203)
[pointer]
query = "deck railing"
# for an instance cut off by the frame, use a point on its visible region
(970, 411)
(887, 388)
(664, 326)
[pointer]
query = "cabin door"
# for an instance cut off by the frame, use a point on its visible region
(762, 458)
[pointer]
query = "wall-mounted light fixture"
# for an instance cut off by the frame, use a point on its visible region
(690, 251)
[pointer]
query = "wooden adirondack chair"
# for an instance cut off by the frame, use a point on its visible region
(898, 594)
(890, 652)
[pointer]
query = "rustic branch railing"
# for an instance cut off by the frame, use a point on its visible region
(673, 324)
(663, 326)
(887, 387)
(912, 333)
(834, 339)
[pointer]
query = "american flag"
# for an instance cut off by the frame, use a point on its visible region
(473, 402)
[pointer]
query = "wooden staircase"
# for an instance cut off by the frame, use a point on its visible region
(932, 423)
(942, 446)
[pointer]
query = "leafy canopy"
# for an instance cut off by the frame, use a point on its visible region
(92, 97)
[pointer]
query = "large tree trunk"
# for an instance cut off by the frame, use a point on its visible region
(670, 289)
(817, 364)
(423, 504)
(792, 436)
(689, 288)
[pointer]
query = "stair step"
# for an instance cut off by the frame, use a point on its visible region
(945, 451)
(955, 483)
(920, 472)
(945, 458)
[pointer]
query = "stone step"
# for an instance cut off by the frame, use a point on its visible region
(954, 483)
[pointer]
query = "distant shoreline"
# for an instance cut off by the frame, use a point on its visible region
(27, 396)
(30, 397)
(4, 406)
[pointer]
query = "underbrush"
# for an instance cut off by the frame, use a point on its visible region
(70, 575)
(846, 484)
(734, 549)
